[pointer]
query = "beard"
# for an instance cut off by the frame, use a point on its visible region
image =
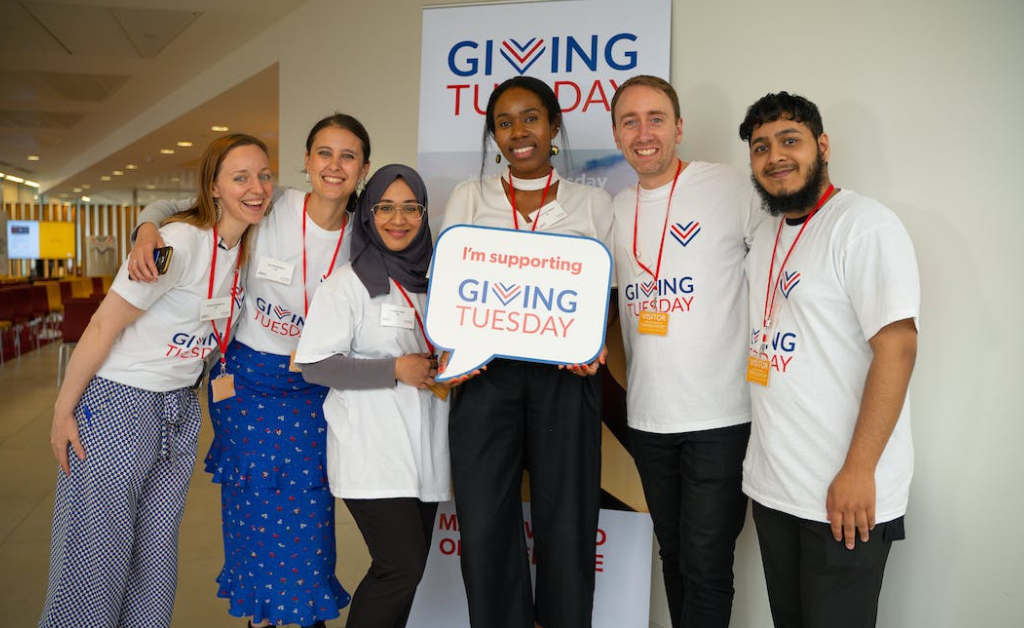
(794, 202)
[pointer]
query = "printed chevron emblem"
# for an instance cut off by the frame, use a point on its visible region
(522, 56)
(281, 312)
(788, 282)
(649, 287)
(684, 234)
(506, 293)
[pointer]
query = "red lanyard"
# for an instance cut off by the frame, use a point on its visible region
(512, 198)
(334, 258)
(664, 227)
(773, 286)
(430, 345)
(222, 340)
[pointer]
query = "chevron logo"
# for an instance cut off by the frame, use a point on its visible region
(506, 293)
(281, 313)
(684, 234)
(522, 56)
(788, 282)
(649, 287)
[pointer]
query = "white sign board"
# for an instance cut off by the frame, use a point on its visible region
(540, 297)
(622, 572)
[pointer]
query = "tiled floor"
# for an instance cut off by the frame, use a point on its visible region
(27, 475)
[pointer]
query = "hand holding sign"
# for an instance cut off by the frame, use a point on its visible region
(538, 297)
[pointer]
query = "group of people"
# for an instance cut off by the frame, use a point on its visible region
(756, 367)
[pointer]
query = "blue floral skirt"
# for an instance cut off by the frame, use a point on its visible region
(278, 513)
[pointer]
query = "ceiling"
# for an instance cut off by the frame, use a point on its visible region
(72, 72)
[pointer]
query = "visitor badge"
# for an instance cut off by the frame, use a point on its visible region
(440, 390)
(757, 370)
(222, 387)
(275, 270)
(549, 215)
(292, 366)
(213, 309)
(653, 323)
(397, 316)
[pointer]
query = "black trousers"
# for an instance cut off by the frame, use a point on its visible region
(520, 415)
(692, 482)
(813, 580)
(397, 532)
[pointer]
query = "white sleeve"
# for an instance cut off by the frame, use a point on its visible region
(459, 209)
(329, 326)
(881, 277)
(143, 295)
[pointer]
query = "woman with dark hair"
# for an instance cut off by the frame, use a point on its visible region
(268, 446)
(127, 418)
(387, 446)
(516, 414)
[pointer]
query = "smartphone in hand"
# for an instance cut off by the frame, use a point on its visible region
(162, 258)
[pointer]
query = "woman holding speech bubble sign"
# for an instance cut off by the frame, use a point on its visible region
(516, 415)
(387, 445)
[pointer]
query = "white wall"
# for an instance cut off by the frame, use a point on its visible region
(923, 105)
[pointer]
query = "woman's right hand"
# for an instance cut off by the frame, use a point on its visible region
(442, 364)
(415, 369)
(63, 431)
(141, 266)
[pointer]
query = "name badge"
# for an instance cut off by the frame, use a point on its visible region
(757, 370)
(627, 254)
(550, 214)
(293, 367)
(275, 270)
(214, 309)
(222, 387)
(397, 316)
(653, 323)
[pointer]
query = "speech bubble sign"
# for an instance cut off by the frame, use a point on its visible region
(540, 297)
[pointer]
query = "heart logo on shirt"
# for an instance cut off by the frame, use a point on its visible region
(506, 293)
(788, 282)
(684, 234)
(522, 56)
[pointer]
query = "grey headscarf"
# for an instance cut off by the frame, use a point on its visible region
(373, 262)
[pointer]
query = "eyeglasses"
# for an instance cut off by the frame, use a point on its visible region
(411, 211)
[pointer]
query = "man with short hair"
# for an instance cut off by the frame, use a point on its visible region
(834, 301)
(681, 235)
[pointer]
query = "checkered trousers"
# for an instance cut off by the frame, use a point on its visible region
(114, 550)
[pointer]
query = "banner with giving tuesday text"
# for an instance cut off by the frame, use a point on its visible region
(583, 49)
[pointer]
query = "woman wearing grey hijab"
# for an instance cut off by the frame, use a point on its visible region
(387, 445)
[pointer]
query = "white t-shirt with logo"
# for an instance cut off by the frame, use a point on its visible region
(275, 312)
(852, 272)
(164, 348)
(694, 378)
(382, 443)
(582, 210)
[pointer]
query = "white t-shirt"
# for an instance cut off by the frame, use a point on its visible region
(275, 312)
(164, 348)
(389, 442)
(694, 378)
(852, 272)
(576, 210)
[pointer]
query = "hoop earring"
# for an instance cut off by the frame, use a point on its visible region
(497, 158)
(555, 150)
(307, 177)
